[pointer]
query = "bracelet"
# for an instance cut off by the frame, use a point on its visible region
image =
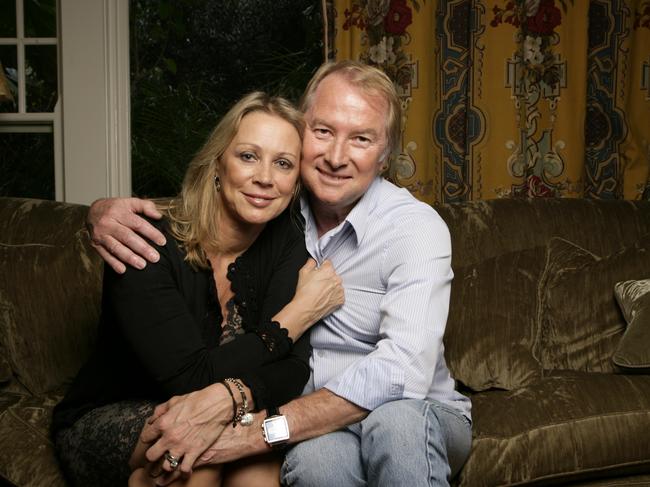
(243, 416)
(234, 402)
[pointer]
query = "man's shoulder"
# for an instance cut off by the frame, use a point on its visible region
(396, 206)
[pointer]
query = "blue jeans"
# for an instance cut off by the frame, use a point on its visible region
(407, 442)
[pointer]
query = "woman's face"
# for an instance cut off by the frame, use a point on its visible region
(259, 169)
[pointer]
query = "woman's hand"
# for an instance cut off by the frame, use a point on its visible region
(318, 293)
(185, 426)
(319, 289)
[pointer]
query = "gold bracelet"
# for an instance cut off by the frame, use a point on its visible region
(242, 417)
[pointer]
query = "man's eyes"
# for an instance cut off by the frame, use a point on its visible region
(321, 131)
(360, 139)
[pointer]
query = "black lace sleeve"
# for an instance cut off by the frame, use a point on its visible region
(275, 337)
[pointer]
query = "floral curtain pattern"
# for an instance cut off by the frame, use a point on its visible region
(510, 98)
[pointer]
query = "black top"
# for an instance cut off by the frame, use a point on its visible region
(160, 327)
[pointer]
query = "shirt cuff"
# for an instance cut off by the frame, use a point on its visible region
(369, 383)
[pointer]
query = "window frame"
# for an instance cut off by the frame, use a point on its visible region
(35, 122)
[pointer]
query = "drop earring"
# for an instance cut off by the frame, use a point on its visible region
(217, 183)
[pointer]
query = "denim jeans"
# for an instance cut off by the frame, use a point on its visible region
(408, 442)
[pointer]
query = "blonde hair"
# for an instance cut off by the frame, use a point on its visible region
(193, 213)
(371, 81)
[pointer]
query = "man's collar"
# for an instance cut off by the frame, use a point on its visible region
(358, 216)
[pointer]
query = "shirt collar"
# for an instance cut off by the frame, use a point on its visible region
(358, 216)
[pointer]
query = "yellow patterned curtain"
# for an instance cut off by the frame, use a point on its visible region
(507, 98)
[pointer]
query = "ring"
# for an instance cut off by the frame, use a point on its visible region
(173, 461)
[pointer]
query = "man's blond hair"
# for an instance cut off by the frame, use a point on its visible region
(371, 81)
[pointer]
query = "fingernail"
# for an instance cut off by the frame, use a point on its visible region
(140, 264)
(161, 242)
(153, 257)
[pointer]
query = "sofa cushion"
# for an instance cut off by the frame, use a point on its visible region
(633, 351)
(573, 426)
(5, 368)
(579, 321)
(26, 452)
(492, 321)
(49, 308)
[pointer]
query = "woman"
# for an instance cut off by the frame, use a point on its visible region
(218, 313)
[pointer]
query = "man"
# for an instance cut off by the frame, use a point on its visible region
(380, 407)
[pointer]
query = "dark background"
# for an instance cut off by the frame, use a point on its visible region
(192, 59)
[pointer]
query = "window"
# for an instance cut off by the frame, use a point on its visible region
(30, 121)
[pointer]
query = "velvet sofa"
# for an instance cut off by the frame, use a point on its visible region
(533, 334)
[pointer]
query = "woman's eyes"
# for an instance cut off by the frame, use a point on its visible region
(252, 157)
(284, 163)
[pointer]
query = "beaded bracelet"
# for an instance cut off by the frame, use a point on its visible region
(243, 416)
(234, 402)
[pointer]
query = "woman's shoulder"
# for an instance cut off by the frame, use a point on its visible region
(172, 249)
(282, 236)
(286, 226)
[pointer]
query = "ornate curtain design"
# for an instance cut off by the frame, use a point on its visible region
(508, 98)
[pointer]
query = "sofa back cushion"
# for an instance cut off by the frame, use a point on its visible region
(490, 346)
(498, 254)
(580, 321)
(50, 286)
(481, 230)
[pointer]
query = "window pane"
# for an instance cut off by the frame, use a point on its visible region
(40, 78)
(27, 165)
(40, 18)
(8, 18)
(9, 63)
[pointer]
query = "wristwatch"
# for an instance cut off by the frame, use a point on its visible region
(275, 428)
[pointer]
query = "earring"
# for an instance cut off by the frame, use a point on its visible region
(217, 183)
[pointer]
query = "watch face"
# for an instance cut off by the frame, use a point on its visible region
(276, 429)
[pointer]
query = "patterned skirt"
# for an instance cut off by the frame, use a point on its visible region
(95, 451)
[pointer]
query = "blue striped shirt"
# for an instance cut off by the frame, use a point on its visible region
(393, 254)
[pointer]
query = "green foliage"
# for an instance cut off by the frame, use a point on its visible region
(191, 59)
(26, 165)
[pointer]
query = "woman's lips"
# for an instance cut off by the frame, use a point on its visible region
(259, 200)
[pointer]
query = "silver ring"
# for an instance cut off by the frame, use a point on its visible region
(173, 461)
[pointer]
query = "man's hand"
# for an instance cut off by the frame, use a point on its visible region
(185, 426)
(308, 416)
(114, 225)
(236, 443)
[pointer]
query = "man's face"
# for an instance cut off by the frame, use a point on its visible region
(344, 142)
